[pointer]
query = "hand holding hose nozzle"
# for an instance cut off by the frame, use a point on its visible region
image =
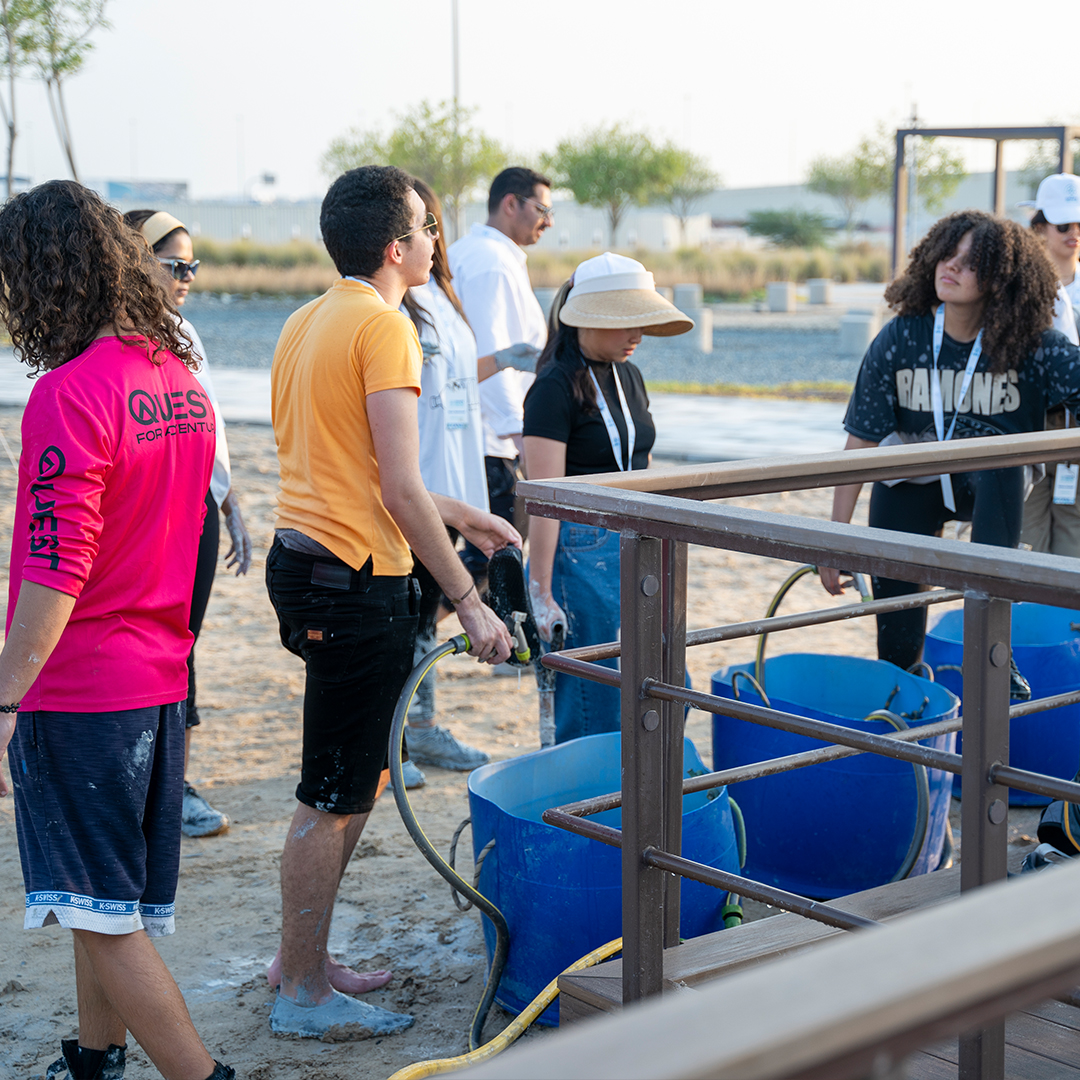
(547, 613)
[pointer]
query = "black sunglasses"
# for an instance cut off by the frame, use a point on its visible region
(1064, 228)
(178, 268)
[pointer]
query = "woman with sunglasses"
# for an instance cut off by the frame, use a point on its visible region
(588, 412)
(170, 242)
(451, 464)
(1051, 517)
(971, 352)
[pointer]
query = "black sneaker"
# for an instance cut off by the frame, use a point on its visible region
(1019, 687)
(78, 1061)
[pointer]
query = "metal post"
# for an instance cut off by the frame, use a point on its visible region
(1064, 157)
(642, 767)
(674, 555)
(985, 811)
(900, 195)
(999, 178)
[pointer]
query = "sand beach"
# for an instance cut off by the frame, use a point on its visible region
(393, 910)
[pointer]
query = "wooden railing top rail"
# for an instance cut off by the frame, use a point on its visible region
(797, 472)
(928, 560)
(838, 1010)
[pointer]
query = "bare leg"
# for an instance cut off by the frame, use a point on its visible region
(136, 987)
(99, 1025)
(342, 978)
(316, 853)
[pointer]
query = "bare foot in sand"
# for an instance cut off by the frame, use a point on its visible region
(342, 978)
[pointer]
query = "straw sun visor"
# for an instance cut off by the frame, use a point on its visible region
(621, 309)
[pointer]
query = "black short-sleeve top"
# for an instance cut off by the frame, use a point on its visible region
(892, 391)
(552, 413)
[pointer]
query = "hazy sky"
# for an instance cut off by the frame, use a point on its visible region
(217, 91)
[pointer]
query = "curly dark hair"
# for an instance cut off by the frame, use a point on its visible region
(1018, 282)
(364, 210)
(69, 267)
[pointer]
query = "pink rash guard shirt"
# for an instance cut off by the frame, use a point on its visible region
(117, 453)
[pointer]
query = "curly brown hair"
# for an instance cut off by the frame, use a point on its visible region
(1018, 282)
(69, 266)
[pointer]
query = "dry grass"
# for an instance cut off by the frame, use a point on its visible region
(791, 391)
(244, 280)
(727, 274)
(730, 273)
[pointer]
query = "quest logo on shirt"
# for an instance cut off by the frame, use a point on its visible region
(987, 396)
(177, 412)
(44, 538)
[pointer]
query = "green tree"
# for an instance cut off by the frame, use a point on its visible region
(436, 143)
(56, 40)
(614, 168)
(694, 179)
(1042, 161)
(791, 228)
(845, 179)
(938, 170)
(13, 15)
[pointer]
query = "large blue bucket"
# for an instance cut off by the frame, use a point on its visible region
(562, 894)
(841, 826)
(1047, 652)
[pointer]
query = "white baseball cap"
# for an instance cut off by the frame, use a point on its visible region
(1058, 198)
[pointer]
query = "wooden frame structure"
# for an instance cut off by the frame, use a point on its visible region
(1064, 136)
(658, 513)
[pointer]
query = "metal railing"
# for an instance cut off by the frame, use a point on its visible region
(656, 518)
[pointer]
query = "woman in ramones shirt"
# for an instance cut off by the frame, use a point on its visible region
(587, 413)
(974, 309)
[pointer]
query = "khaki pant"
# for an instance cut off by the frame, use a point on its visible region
(1047, 526)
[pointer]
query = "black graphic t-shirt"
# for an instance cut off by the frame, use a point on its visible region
(552, 413)
(892, 391)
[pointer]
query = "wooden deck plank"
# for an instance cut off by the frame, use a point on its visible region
(1057, 1012)
(726, 951)
(1020, 1064)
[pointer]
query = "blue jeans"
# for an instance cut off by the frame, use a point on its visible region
(585, 584)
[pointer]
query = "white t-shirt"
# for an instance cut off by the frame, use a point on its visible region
(1064, 316)
(1072, 291)
(221, 480)
(493, 285)
(451, 435)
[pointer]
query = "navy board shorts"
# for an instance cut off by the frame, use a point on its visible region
(97, 811)
(355, 632)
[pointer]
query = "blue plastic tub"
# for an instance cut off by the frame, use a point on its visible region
(1047, 652)
(562, 894)
(841, 826)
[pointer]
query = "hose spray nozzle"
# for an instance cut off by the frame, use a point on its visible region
(522, 652)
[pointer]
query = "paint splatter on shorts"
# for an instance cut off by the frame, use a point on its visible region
(97, 811)
(355, 633)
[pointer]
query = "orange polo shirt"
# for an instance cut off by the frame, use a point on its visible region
(332, 353)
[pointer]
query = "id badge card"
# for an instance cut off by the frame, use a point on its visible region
(1065, 484)
(455, 401)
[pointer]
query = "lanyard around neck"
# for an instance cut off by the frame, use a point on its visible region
(609, 421)
(936, 402)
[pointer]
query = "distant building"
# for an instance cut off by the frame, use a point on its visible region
(718, 222)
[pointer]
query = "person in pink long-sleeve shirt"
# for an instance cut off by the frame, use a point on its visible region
(117, 450)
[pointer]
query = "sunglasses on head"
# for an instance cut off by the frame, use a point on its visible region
(178, 268)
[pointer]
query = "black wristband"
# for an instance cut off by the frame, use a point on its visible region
(14, 707)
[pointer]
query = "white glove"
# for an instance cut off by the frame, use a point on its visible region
(546, 612)
(239, 555)
(520, 356)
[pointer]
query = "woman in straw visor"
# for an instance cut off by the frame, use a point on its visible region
(588, 412)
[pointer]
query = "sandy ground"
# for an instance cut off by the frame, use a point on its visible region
(393, 910)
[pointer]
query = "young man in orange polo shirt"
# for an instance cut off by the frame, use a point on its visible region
(351, 505)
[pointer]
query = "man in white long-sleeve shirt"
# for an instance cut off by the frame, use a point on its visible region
(490, 278)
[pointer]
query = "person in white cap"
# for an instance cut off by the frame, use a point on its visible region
(588, 412)
(1051, 517)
